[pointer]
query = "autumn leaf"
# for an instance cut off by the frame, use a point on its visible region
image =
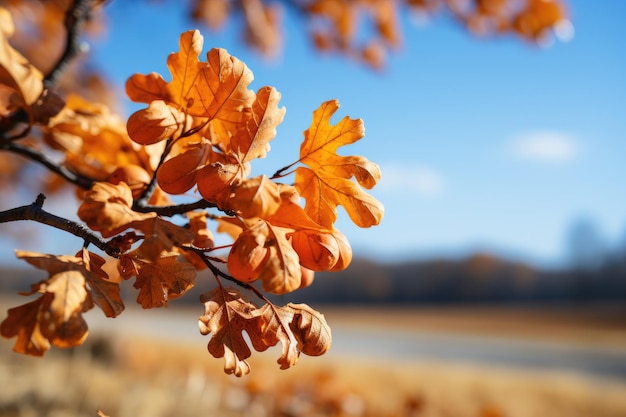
(23, 322)
(104, 293)
(55, 318)
(290, 213)
(326, 181)
(299, 329)
(254, 197)
(156, 123)
(21, 83)
(160, 280)
(263, 251)
(160, 236)
(107, 208)
(249, 254)
(227, 314)
(281, 273)
(316, 251)
(177, 175)
(16, 72)
(259, 126)
(215, 90)
(95, 142)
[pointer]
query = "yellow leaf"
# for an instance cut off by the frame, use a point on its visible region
(326, 182)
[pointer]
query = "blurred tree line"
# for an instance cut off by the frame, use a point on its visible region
(594, 272)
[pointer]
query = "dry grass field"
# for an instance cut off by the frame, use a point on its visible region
(135, 374)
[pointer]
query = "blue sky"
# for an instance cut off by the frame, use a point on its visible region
(483, 144)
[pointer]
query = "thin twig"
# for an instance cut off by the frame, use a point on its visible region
(34, 155)
(169, 211)
(35, 212)
(75, 18)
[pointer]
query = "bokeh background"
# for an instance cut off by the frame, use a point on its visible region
(494, 286)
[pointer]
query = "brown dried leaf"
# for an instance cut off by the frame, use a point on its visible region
(158, 281)
(16, 71)
(298, 327)
(106, 208)
(74, 283)
(281, 273)
(227, 314)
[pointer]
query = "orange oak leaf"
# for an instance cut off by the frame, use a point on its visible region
(103, 292)
(74, 284)
(259, 126)
(106, 208)
(227, 314)
(216, 91)
(155, 123)
(16, 72)
(158, 281)
(263, 251)
(216, 180)
(95, 142)
(290, 213)
(317, 251)
(160, 236)
(249, 254)
(298, 327)
(326, 181)
(254, 197)
(24, 322)
(281, 273)
(177, 175)
(203, 237)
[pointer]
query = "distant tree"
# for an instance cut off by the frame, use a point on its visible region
(587, 248)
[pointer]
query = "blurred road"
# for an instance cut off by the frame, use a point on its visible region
(586, 357)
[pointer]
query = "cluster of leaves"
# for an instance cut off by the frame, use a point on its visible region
(198, 135)
(337, 25)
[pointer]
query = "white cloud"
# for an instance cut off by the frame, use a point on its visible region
(420, 180)
(545, 147)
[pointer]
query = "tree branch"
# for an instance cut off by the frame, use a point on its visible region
(75, 18)
(35, 212)
(34, 155)
(169, 211)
